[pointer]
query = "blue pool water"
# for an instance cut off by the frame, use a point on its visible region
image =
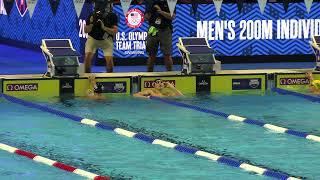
(106, 153)
(15, 167)
(98, 151)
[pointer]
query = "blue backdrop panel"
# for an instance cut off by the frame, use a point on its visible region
(43, 23)
(66, 24)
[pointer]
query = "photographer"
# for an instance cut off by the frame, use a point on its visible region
(160, 32)
(101, 27)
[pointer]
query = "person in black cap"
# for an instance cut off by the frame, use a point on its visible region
(101, 27)
(159, 33)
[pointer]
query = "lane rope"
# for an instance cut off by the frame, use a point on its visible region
(148, 139)
(52, 163)
(236, 118)
(296, 94)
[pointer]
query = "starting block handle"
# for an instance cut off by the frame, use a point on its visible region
(182, 48)
(315, 46)
(45, 50)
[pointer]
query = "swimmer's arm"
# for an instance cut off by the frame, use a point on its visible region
(311, 78)
(139, 94)
(175, 90)
(314, 90)
(93, 83)
(311, 83)
(90, 92)
(144, 93)
(178, 93)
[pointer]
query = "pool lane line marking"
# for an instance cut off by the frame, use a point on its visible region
(145, 138)
(297, 94)
(52, 163)
(236, 118)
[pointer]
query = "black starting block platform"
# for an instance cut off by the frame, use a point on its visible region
(197, 55)
(62, 59)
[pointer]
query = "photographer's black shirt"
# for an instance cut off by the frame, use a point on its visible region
(110, 20)
(158, 20)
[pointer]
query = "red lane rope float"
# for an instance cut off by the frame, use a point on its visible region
(53, 163)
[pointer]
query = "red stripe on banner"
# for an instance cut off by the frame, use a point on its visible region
(25, 153)
(101, 178)
(64, 167)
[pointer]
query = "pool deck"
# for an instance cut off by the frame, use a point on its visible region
(31, 64)
(172, 73)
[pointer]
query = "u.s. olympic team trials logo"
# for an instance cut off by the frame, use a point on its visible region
(134, 18)
(22, 7)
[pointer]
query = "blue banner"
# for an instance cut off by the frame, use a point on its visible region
(275, 32)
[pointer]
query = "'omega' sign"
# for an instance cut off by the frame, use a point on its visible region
(22, 87)
(150, 84)
(294, 81)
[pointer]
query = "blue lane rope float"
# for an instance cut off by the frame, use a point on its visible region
(232, 117)
(292, 93)
(148, 139)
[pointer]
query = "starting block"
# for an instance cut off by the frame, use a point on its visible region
(197, 56)
(62, 59)
(315, 44)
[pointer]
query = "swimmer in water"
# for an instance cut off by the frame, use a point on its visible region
(95, 89)
(161, 89)
(314, 85)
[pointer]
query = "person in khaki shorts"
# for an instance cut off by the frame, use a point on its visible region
(159, 33)
(101, 28)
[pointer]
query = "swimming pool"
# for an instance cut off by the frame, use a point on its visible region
(109, 154)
